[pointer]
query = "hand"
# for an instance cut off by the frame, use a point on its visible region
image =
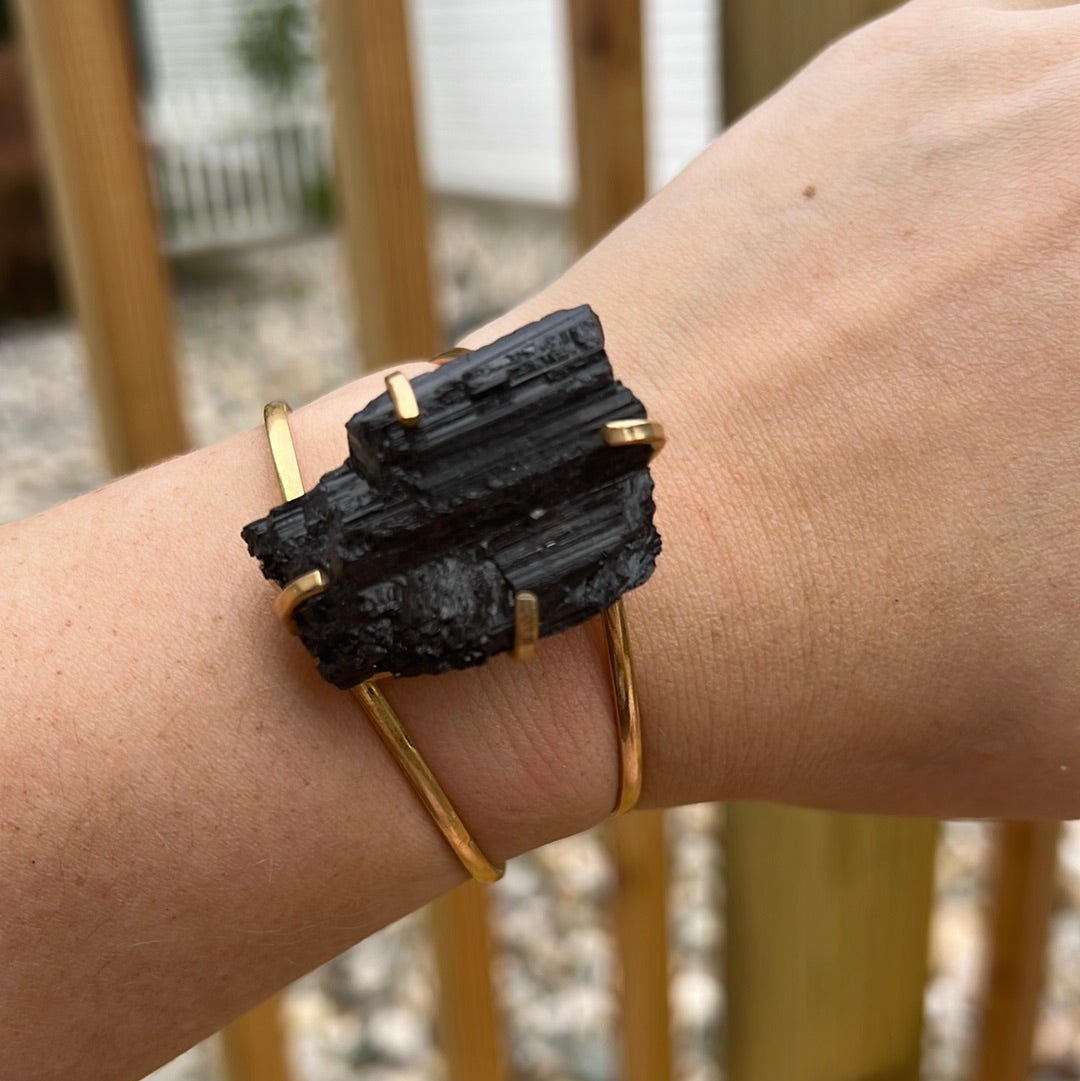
(858, 315)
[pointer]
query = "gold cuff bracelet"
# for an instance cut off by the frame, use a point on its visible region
(374, 703)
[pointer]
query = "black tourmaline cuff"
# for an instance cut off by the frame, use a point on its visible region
(505, 484)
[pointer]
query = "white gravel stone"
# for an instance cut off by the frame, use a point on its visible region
(398, 1034)
(696, 998)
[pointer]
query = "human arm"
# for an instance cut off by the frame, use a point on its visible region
(855, 315)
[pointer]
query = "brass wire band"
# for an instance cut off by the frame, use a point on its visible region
(385, 721)
(370, 699)
(279, 435)
(627, 713)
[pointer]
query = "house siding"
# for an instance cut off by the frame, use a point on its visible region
(492, 81)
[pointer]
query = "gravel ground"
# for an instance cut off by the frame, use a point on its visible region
(270, 323)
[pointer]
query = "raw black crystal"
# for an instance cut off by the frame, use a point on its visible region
(504, 484)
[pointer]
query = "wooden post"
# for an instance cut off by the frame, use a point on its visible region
(382, 204)
(826, 944)
(253, 1046)
(609, 111)
(468, 1023)
(79, 69)
(640, 908)
(827, 914)
(378, 188)
(1021, 905)
(766, 41)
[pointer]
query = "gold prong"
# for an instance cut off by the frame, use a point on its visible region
(296, 592)
(635, 433)
(276, 419)
(448, 355)
(526, 625)
(406, 408)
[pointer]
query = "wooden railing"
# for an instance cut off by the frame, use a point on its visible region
(827, 913)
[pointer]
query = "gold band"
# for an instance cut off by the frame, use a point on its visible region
(386, 722)
(627, 714)
(282, 451)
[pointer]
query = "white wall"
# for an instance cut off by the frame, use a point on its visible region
(494, 94)
(190, 42)
(682, 82)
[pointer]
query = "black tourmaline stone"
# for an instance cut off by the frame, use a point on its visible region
(504, 484)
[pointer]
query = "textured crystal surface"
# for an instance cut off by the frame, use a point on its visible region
(504, 484)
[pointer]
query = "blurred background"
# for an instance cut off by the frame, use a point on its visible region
(232, 104)
(260, 257)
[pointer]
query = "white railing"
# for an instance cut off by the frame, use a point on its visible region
(228, 171)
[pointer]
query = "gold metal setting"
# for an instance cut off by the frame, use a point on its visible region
(374, 703)
(406, 407)
(448, 355)
(278, 432)
(295, 593)
(526, 625)
(634, 433)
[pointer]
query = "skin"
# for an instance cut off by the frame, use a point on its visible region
(856, 315)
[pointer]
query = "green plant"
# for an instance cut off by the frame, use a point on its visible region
(273, 45)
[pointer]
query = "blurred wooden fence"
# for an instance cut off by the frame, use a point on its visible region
(827, 913)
